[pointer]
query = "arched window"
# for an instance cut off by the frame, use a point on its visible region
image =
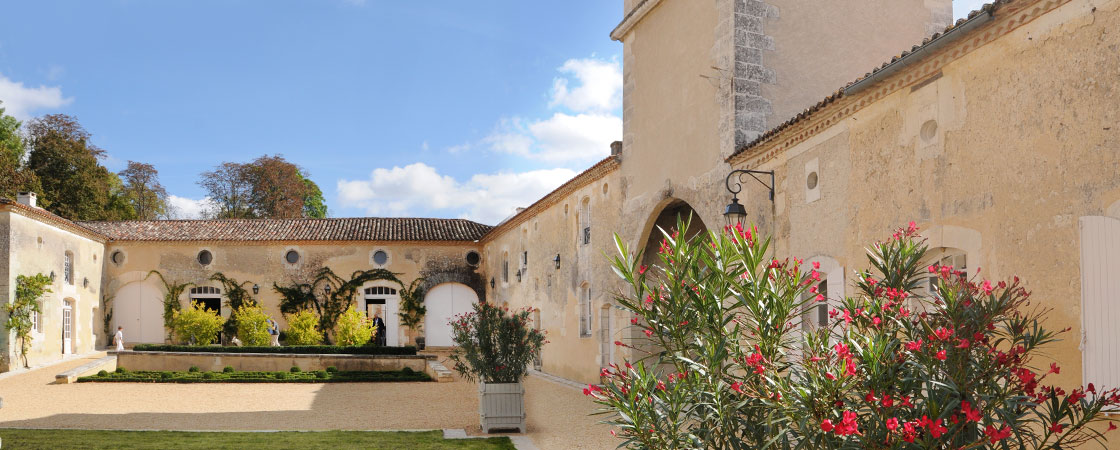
(942, 257)
(585, 311)
(209, 296)
(585, 221)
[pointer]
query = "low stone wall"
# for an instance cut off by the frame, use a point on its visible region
(274, 362)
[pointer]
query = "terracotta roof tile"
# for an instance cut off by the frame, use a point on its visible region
(343, 229)
(50, 218)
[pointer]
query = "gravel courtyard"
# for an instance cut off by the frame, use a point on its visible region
(558, 414)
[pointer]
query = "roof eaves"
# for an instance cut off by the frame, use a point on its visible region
(50, 218)
(595, 172)
(962, 27)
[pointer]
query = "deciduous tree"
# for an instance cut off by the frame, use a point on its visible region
(143, 191)
(230, 189)
(74, 184)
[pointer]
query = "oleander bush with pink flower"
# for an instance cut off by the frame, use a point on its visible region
(896, 367)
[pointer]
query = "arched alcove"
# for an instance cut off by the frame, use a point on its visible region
(666, 219)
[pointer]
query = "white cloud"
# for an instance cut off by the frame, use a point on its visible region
(187, 208)
(599, 89)
(19, 101)
(578, 136)
(560, 139)
(419, 189)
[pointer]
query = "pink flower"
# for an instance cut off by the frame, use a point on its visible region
(941, 355)
(816, 265)
(892, 423)
(737, 387)
(826, 426)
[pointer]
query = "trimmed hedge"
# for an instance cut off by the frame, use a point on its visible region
(299, 349)
(257, 377)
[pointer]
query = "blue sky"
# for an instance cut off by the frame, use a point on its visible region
(425, 108)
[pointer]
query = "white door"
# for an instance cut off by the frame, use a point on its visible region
(67, 328)
(444, 302)
(388, 312)
(138, 307)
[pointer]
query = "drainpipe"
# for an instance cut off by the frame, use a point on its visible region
(928, 48)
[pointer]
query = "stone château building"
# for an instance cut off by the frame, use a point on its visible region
(999, 135)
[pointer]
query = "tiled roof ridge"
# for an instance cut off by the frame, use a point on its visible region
(280, 219)
(595, 172)
(49, 217)
(396, 229)
(987, 8)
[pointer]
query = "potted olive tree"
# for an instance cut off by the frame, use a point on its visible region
(495, 347)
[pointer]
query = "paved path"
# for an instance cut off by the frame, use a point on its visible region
(558, 414)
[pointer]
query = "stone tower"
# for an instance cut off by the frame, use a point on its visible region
(704, 77)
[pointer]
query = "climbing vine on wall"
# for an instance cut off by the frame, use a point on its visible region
(412, 304)
(28, 291)
(328, 304)
(171, 304)
(236, 297)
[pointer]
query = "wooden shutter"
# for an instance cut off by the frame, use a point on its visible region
(1100, 305)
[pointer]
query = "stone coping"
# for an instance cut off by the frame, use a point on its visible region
(72, 375)
(274, 355)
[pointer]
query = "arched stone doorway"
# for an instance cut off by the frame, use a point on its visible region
(666, 220)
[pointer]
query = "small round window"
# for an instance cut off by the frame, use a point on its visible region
(117, 257)
(292, 257)
(205, 257)
(380, 257)
(473, 258)
(811, 181)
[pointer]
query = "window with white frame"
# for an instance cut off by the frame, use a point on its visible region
(585, 221)
(944, 257)
(505, 267)
(68, 268)
(585, 311)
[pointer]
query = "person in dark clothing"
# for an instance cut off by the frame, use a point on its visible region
(379, 332)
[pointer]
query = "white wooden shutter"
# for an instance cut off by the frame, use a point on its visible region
(1100, 305)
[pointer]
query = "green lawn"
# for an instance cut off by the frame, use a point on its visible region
(26, 439)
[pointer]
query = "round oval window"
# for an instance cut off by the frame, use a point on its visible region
(473, 258)
(205, 257)
(380, 257)
(292, 257)
(117, 257)
(811, 181)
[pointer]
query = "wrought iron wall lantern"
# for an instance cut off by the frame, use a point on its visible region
(557, 260)
(256, 289)
(518, 276)
(327, 289)
(492, 284)
(735, 211)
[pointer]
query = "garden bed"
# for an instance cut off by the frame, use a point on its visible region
(190, 440)
(292, 349)
(232, 376)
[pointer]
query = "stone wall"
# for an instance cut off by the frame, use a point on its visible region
(35, 247)
(995, 146)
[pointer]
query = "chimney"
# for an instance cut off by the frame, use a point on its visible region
(616, 148)
(26, 198)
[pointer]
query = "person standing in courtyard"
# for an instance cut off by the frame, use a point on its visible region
(274, 330)
(379, 328)
(118, 338)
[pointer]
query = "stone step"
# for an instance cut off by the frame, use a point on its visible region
(439, 372)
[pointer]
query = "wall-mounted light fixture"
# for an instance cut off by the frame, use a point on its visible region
(327, 289)
(735, 212)
(491, 282)
(557, 260)
(52, 276)
(518, 276)
(256, 289)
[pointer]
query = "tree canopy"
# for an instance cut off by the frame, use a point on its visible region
(143, 191)
(268, 187)
(74, 184)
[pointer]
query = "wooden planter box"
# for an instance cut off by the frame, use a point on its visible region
(501, 406)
